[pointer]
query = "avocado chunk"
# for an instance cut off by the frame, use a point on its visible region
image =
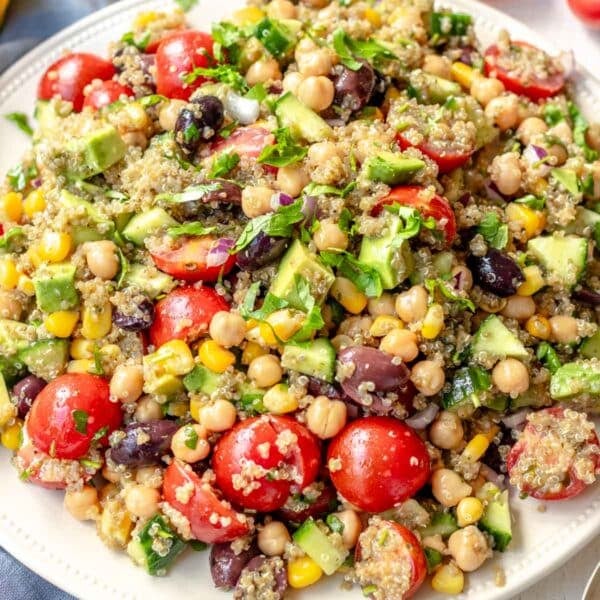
(391, 168)
(83, 234)
(55, 287)
(563, 258)
(300, 261)
(314, 542)
(494, 340)
(46, 358)
(391, 257)
(95, 152)
(11, 368)
(496, 520)
(568, 179)
(146, 224)
(303, 123)
(578, 382)
(148, 279)
(315, 358)
(431, 89)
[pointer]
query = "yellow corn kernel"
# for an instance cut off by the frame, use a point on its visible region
(81, 365)
(348, 295)
(373, 17)
(464, 74)
(532, 222)
(145, 18)
(9, 274)
(34, 256)
(279, 400)
(448, 579)
(383, 324)
(433, 322)
(476, 448)
(251, 351)
(172, 358)
(115, 525)
(469, 511)
(539, 327)
(392, 94)
(82, 348)
(539, 186)
(303, 572)
(61, 323)
(215, 357)
(280, 325)
(534, 281)
(195, 405)
(25, 285)
(247, 16)
(11, 207)
(11, 436)
(110, 351)
(96, 321)
(54, 246)
(34, 203)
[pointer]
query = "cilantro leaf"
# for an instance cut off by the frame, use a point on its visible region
(257, 92)
(345, 221)
(285, 152)
(194, 192)
(228, 41)
(334, 524)
(348, 48)
(13, 232)
(494, 232)
(547, 354)
(21, 121)
(318, 189)
(341, 45)
(227, 130)
(552, 114)
(580, 127)
(80, 418)
(190, 437)
(413, 221)
(223, 73)
(98, 368)
(195, 228)
(123, 270)
(532, 202)
(141, 44)
(186, 5)
(364, 277)
(19, 176)
(449, 293)
(224, 164)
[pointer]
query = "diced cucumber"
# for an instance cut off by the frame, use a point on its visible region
(536, 396)
(431, 89)
(441, 523)
(563, 258)
(576, 378)
(146, 224)
(469, 385)
(46, 358)
(251, 398)
(275, 36)
(317, 545)
(302, 122)
(149, 279)
(496, 521)
(315, 358)
(494, 340)
(591, 347)
(586, 221)
(203, 380)
(433, 557)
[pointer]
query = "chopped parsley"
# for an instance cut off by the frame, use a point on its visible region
(223, 73)
(194, 192)
(194, 228)
(448, 292)
(285, 152)
(190, 437)
(335, 524)
(19, 176)
(141, 44)
(494, 232)
(80, 418)
(363, 276)
(547, 354)
(319, 189)
(186, 5)
(100, 434)
(151, 100)
(349, 49)
(21, 121)
(412, 219)
(532, 202)
(224, 164)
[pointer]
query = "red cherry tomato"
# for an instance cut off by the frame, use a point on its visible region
(69, 75)
(436, 207)
(446, 160)
(377, 462)
(185, 314)
(105, 93)
(212, 520)
(535, 449)
(245, 141)
(587, 10)
(68, 413)
(504, 65)
(262, 460)
(391, 547)
(179, 54)
(188, 261)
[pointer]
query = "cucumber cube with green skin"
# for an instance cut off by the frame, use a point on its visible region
(315, 358)
(441, 523)
(494, 340)
(563, 258)
(433, 557)
(585, 222)
(277, 37)
(55, 287)
(391, 168)
(319, 547)
(251, 399)
(146, 224)
(148, 279)
(46, 358)
(497, 522)
(79, 205)
(11, 369)
(303, 123)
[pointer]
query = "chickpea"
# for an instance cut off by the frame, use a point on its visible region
(135, 138)
(316, 92)
(519, 308)
(339, 342)
(281, 9)
(110, 490)
(463, 277)
(102, 258)
(325, 417)
(227, 329)
(446, 432)
(147, 410)
(485, 89)
(127, 383)
(256, 200)
(263, 71)
(272, 538)
(384, 305)
(329, 236)
(563, 132)
(322, 152)
(437, 65)
(428, 377)
(506, 173)
(314, 62)
(511, 376)
(167, 116)
(448, 487)
(402, 343)
(83, 504)
(531, 128)
(291, 82)
(564, 329)
(265, 370)
(142, 501)
(504, 111)
(189, 443)
(468, 548)
(292, 180)
(411, 306)
(304, 46)
(559, 152)
(111, 475)
(218, 416)
(352, 527)
(150, 477)
(10, 306)
(592, 136)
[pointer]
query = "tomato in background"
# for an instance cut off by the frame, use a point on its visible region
(245, 141)
(105, 93)
(446, 160)
(587, 10)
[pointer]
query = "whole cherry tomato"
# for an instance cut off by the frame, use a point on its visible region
(185, 314)
(177, 55)
(245, 141)
(69, 75)
(587, 10)
(71, 412)
(377, 462)
(212, 520)
(262, 460)
(105, 93)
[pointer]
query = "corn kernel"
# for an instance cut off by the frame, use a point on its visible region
(531, 222)
(539, 187)
(348, 295)
(34, 203)
(54, 246)
(250, 15)
(11, 436)
(539, 327)
(25, 285)
(172, 358)
(11, 207)
(110, 351)
(82, 348)
(280, 325)
(464, 74)
(303, 572)
(115, 524)
(534, 281)
(145, 18)
(61, 323)
(433, 323)
(469, 511)
(9, 274)
(96, 321)
(251, 351)
(392, 94)
(383, 324)
(448, 579)
(476, 448)
(34, 256)
(279, 400)
(195, 405)
(81, 365)
(214, 357)
(373, 17)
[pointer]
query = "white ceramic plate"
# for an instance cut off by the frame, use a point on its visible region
(35, 528)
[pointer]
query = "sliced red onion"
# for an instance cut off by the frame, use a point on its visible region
(219, 253)
(515, 420)
(492, 192)
(423, 418)
(309, 207)
(533, 155)
(36, 183)
(496, 478)
(244, 110)
(279, 199)
(566, 60)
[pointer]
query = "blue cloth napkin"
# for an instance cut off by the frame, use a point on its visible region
(28, 22)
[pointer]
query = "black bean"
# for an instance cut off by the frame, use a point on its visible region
(257, 568)
(226, 566)
(261, 251)
(353, 89)
(155, 437)
(142, 319)
(496, 272)
(26, 391)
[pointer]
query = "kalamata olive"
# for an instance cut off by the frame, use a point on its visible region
(297, 510)
(155, 437)
(141, 319)
(211, 109)
(353, 89)
(496, 272)
(587, 296)
(261, 251)
(320, 387)
(198, 122)
(226, 566)
(26, 391)
(382, 83)
(266, 570)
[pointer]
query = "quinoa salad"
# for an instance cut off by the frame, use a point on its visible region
(307, 293)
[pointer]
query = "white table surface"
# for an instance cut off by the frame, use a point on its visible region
(553, 18)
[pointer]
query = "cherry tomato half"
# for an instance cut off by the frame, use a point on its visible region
(212, 520)
(105, 93)
(68, 413)
(505, 66)
(185, 314)
(587, 10)
(189, 260)
(177, 55)
(376, 462)
(69, 75)
(446, 160)
(434, 206)
(537, 450)
(262, 460)
(245, 141)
